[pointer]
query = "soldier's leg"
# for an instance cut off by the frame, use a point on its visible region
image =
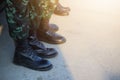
(47, 8)
(18, 20)
(35, 21)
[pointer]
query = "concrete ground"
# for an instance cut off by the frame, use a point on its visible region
(92, 50)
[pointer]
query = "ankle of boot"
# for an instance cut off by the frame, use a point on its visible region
(20, 42)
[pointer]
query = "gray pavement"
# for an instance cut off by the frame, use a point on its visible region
(92, 50)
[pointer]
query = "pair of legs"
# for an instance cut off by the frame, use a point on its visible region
(29, 21)
(23, 20)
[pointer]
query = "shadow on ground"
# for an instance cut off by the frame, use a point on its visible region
(9, 71)
(113, 76)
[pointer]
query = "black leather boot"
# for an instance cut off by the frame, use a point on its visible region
(53, 27)
(41, 50)
(61, 11)
(44, 34)
(27, 57)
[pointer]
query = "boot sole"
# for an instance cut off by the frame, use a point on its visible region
(59, 14)
(51, 42)
(48, 57)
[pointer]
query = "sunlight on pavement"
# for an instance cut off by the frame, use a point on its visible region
(93, 38)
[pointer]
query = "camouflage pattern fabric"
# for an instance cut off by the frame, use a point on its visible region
(25, 14)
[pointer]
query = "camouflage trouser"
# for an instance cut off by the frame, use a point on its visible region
(25, 14)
